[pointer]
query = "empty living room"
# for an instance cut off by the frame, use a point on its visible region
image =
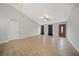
(39, 29)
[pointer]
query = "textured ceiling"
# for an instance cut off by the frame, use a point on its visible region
(57, 12)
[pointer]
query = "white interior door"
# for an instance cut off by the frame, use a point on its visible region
(13, 30)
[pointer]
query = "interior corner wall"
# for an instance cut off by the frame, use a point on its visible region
(73, 28)
(46, 29)
(27, 27)
(56, 28)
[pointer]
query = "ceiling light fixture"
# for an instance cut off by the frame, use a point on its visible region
(19, 4)
(45, 17)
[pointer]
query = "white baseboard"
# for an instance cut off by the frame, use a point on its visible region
(17, 39)
(7, 41)
(4, 41)
(28, 36)
(74, 45)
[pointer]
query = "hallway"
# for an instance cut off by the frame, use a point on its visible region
(38, 46)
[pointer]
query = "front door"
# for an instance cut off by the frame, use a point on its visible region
(62, 30)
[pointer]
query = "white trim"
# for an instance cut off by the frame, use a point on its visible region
(28, 36)
(4, 41)
(17, 39)
(7, 41)
(74, 45)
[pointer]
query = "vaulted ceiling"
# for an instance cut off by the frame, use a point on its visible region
(57, 12)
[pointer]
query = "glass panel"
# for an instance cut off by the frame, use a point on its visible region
(61, 29)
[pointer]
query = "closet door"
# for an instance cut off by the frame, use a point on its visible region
(50, 30)
(13, 30)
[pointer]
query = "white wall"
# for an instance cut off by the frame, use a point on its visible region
(73, 28)
(3, 28)
(46, 29)
(56, 28)
(13, 30)
(27, 27)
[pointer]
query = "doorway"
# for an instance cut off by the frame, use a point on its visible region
(50, 30)
(42, 29)
(13, 29)
(62, 30)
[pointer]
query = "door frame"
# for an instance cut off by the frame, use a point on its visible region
(15, 28)
(62, 30)
(50, 30)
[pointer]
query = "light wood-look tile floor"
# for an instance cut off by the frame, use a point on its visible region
(38, 46)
